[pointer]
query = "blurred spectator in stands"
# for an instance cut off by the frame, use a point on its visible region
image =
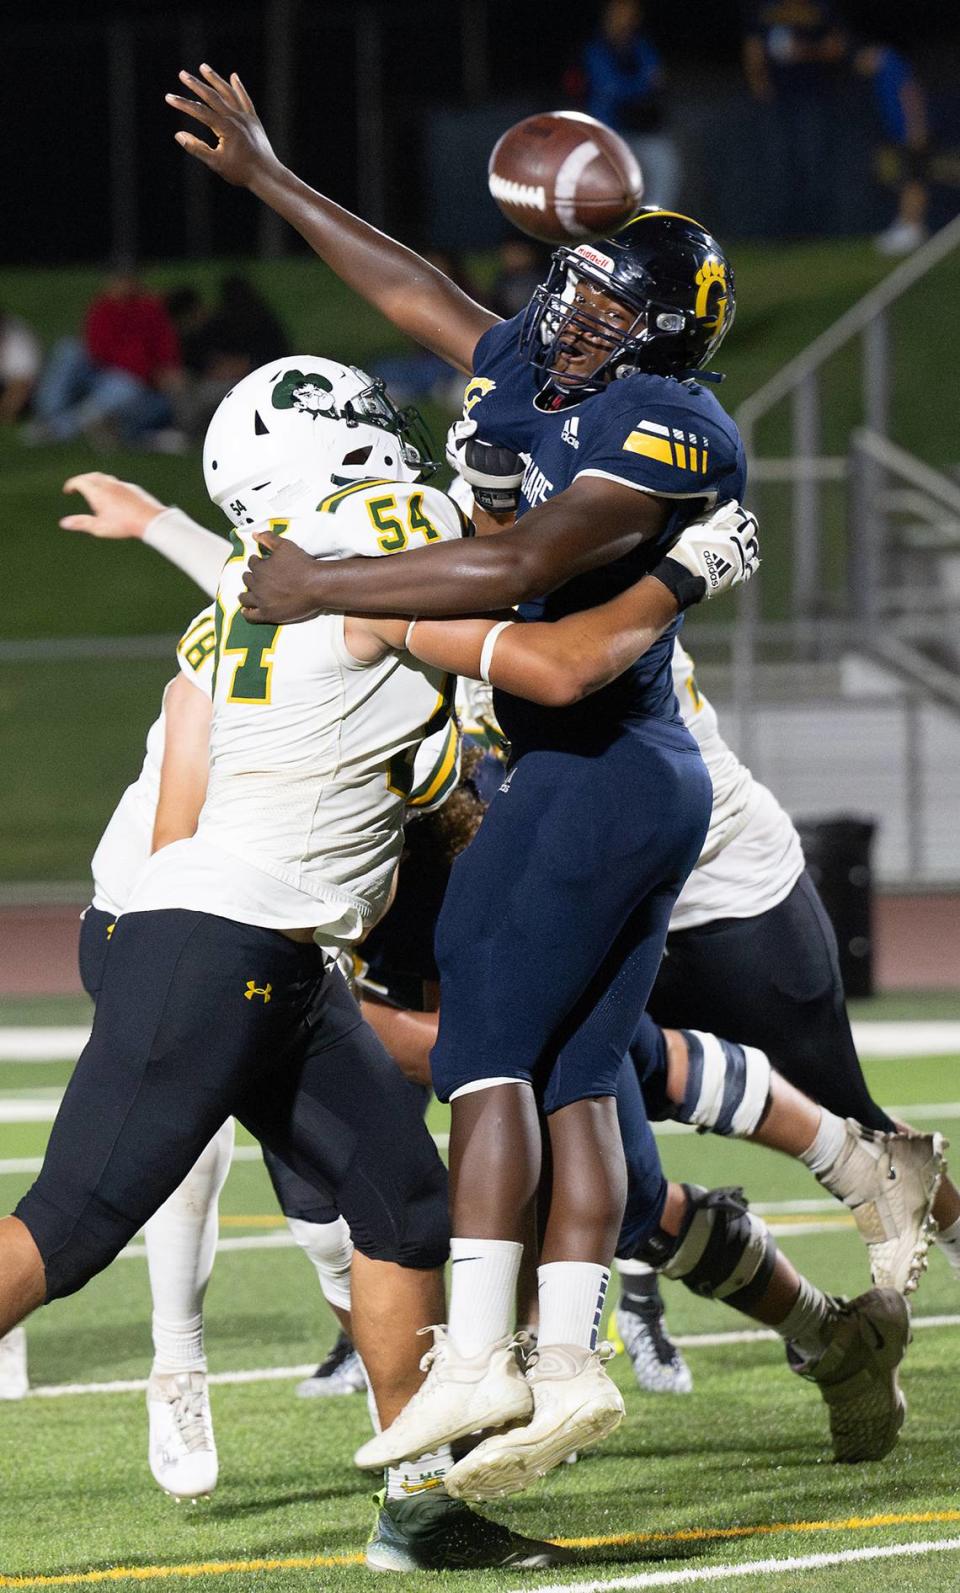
(419, 374)
(619, 79)
(221, 346)
(792, 54)
(20, 360)
(190, 316)
(902, 108)
(116, 385)
(521, 272)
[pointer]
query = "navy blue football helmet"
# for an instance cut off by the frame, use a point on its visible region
(665, 267)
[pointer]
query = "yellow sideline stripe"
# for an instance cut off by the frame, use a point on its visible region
(151, 1573)
(232, 1219)
(711, 1534)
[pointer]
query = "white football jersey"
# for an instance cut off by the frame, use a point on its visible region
(312, 753)
(752, 856)
(126, 842)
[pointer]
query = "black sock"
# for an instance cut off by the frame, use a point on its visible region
(640, 1293)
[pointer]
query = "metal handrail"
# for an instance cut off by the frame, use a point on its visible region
(883, 451)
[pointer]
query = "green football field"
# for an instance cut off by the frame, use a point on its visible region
(704, 1489)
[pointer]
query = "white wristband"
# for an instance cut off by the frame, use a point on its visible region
(486, 652)
(406, 639)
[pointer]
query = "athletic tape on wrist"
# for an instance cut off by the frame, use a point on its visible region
(686, 588)
(406, 639)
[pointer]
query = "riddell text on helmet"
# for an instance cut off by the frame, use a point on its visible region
(532, 194)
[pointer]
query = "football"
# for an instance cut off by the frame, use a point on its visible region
(563, 175)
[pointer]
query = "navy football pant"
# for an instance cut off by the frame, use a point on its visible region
(554, 923)
(772, 981)
(311, 1202)
(200, 1018)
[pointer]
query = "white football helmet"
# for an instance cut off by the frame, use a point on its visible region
(288, 430)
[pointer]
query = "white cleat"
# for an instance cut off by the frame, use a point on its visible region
(658, 1366)
(889, 1182)
(575, 1404)
(14, 1383)
(461, 1394)
(182, 1451)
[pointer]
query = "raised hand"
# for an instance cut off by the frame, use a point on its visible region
(280, 585)
(243, 151)
(118, 509)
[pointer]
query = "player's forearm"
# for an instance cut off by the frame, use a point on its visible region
(561, 663)
(199, 553)
(404, 287)
(447, 579)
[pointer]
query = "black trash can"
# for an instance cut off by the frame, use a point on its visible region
(838, 851)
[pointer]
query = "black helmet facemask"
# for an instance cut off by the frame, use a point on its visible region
(667, 270)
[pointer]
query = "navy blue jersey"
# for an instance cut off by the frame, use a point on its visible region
(653, 433)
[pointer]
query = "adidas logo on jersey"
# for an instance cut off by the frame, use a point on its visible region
(571, 428)
(716, 566)
(253, 989)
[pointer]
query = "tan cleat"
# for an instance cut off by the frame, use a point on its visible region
(889, 1182)
(575, 1404)
(857, 1375)
(461, 1394)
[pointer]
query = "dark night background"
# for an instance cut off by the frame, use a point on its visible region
(69, 130)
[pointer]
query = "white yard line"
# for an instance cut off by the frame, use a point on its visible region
(876, 1041)
(692, 1575)
(279, 1374)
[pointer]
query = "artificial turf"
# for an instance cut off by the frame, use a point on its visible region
(741, 1467)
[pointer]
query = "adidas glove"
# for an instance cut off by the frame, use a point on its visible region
(714, 552)
(494, 473)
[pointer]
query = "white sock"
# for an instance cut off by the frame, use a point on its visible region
(949, 1241)
(418, 1476)
(810, 1322)
(483, 1291)
(826, 1147)
(181, 1240)
(571, 1302)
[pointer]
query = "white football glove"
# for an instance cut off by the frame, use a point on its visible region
(714, 552)
(494, 473)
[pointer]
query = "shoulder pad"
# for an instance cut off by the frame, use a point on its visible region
(369, 518)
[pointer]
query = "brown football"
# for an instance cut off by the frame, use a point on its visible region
(563, 175)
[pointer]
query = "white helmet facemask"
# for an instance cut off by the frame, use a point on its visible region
(299, 427)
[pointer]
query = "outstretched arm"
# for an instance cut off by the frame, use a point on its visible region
(561, 662)
(410, 292)
(554, 664)
(590, 524)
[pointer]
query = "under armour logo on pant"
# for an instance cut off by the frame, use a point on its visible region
(253, 989)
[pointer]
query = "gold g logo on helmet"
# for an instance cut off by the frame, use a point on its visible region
(712, 298)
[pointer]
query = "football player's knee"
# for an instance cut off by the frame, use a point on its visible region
(330, 1248)
(728, 1085)
(72, 1254)
(408, 1227)
(723, 1252)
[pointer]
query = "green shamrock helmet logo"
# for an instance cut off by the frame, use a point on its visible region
(307, 391)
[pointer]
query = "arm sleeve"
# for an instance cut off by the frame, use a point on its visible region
(199, 553)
